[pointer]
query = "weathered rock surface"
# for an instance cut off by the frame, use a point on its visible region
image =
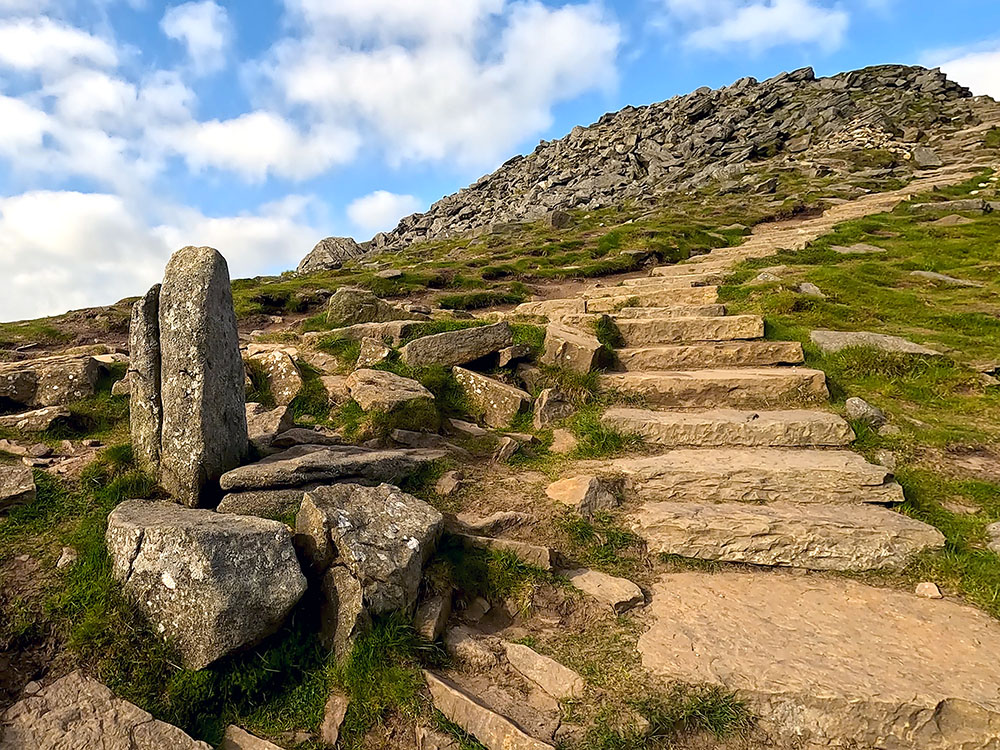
(239, 739)
(862, 248)
(688, 311)
(462, 645)
(457, 347)
(861, 411)
(211, 583)
(393, 331)
(78, 713)
(373, 352)
(618, 593)
(561, 682)
(274, 504)
(305, 436)
(17, 485)
(381, 534)
(814, 536)
(37, 420)
(717, 428)
(759, 475)
(830, 342)
(854, 666)
(264, 425)
(711, 355)
(378, 390)
(431, 739)
(330, 253)
(571, 348)
(145, 404)
(740, 388)
(309, 464)
(945, 279)
(552, 308)
(550, 407)
(586, 495)
(49, 381)
(334, 714)
(498, 402)
(282, 375)
(969, 205)
(432, 616)
(679, 297)
(349, 307)
(533, 554)
(342, 610)
(496, 732)
(201, 371)
(653, 331)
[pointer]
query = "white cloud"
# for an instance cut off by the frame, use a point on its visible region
(451, 80)
(41, 44)
(757, 25)
(204, 29)
(261, 143)
(100, 249)
(976, 69)
(381, 210)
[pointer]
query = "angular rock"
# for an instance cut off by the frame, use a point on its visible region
(349, 307)
(814, 536)
(381, 534)
(718, 428)
(432, 616)
(38, 420)
(711, 355)
(305, 436)
(273, 504)
(993, 537)
(680, 297)
(740, 388)
(854, 666)
(859, 249)
(533, 554)
(618, 593)
(505, 450)
(457, 347)
(449, 483)
(830, 342)
(563, 442)
(586, 495)
(329, 254)
(953, 220)
(571, 349)
(945, 279)
(926, 158)
(562, 683)
(263, 425)
(463, 646)
(239, 739)
(78, 713)
(761, 475)
(491, 729)
(498, 402)
(652, 331)
(309, 464)
(928, 590)
(122, 387)
(17, 486)
(861, 411)
(495, 523)
(334, 714)
(378, 390)
(211, 583)
(431, 739)
(810, 290)
(283, 375)
(551, 406)
(342, 610)
(514, 353)
(204, 418)
(970, 205)
(49, 381)
(373, 352)
(145, 404)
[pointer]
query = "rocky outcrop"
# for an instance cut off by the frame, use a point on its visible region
(78, 713)
(330, 253)
(211, 583)
(457, 347)
(830, 342)
(498, 402)
(349, 306)
(378, 390)
(49, 381)
(17, 485)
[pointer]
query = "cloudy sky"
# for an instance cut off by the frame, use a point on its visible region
(129, 128)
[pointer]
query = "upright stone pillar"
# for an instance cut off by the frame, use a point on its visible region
(204, 431)
(146, 410)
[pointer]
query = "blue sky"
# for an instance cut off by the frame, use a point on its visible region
(129, 128)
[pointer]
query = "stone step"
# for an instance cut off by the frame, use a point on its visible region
(779, 387)
(797, 535)
(617, 297)
(653, 331)
(646, 285)
(694, 278)
(711, 354)
(730, 427)
(830, 662)
(758, 475)
(708, 265)
(683, 311)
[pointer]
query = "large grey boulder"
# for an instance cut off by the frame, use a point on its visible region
(830, 342)
(78, 713)
(17, 485)
(498, 402)
(457, 347)
(379, 390)
(329, 254)
(49, 381)
(211, 583)
(145, 405)
(310, 464)
(202, 377)
(349, 306)
(382, 535)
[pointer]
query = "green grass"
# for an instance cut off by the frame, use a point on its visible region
(602, 543)
(480, 300)
(992, 139)
(497, 576)
(312, 405)
(259, 387)
(597, 440)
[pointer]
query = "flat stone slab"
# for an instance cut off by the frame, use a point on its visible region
(37, 420)
(748, 387)
(683, 311)
(457, 347)
(830, 342)
(310, 464)
(17, 485)
(552, 308)
(618, 593)
(716, 428)
(945, 279)
(701, 278)
(759, 475)
(653, 331)
(813, 536)
(78, 713)
(860, 249)
(697, 295)
(711, 354)
(832, 662)
(378, 390)
(561, 682)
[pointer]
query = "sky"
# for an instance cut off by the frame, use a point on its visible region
(130, 128)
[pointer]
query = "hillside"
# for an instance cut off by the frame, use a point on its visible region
(680, 432)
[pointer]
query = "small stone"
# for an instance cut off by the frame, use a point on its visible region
(373, 352)
(550, 407)
(462, 645)
(389, 273)
(17, 486)
(810, 290)
(993, 537)
(571, 348)
(945, 279)
(586, 495)
(558, 681)
(477, 610)
(449, 483)
(32, 688)
(505, 451)
(432, 616)
(91, 443)
(887, 459)
(513, 353)
(333, 718)
(264, 424)
(953, 220)
(618, 593)
(860, 410)
(39, 450)
(929, 590)
(239, 739)
(563, 442)
(430, 739)
(67, 558)
(926, 158)
(498, 402)
(890, 430)
(467, 428)
(495, 523)
(859, 249)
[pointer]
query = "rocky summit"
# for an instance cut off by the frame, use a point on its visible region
(679, 432)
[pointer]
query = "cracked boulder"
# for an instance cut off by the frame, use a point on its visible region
(49, 381)
(211, 583)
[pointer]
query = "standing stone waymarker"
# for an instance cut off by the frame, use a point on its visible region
(188, 416)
